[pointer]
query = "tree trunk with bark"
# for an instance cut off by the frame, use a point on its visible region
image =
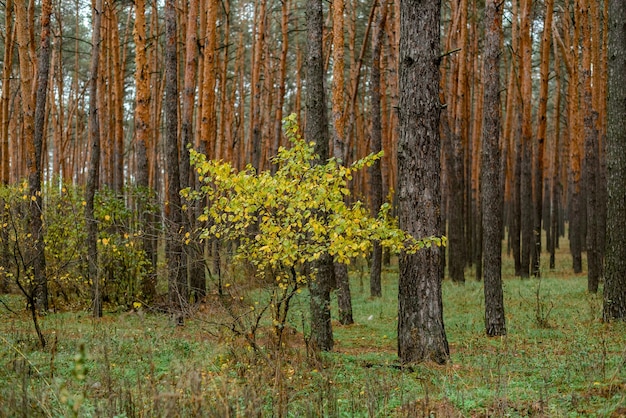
(542, 123)
(94, 165)
(421, 333)
(526, 201)
(316, 129)
(33, 122)
(176, 265)
(376, 177)
(344, 298)
(492, 187)
(457, 212)
(591, 165)
(195, 250)
(5, 95)
(143, 134)
(615, 281)
(556, 164)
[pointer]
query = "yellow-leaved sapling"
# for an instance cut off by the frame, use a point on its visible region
(285, 220)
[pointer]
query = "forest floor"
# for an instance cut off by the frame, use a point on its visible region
(559, 359)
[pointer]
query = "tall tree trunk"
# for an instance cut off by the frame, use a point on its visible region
(491, 187)
(344, 299)
(542, 122)
(316, 129)
(35, 179)
(282, 77)
(143, 134)
(256, 84)
(421, 333)
(176, 265)
(4, 136)
(5, 95)
(195, 251)
(456, 160)
(615, 284)
(526, 202)
(33, 121)
(600, 47)
(556, 165)
(591, 163)
(117, 113)
(208, 134)
(511, 130)
(575, 215)
(94, 165)
(376, 177)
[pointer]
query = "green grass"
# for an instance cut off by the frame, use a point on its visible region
(559, 362)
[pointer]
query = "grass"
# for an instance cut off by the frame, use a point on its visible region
(558, 360)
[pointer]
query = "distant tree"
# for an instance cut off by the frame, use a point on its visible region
(208, 121)
(491, 182)
(526, 202)
(5, 96)
(512, 139)
(454, 147)
(94, 165)
(344, 298)
(316, 129)
(282, 77)
(556, 161)
(591, 167)
(176, 266)
(195, 251)
(114, 76)
(542, 123)
(421, 333)
(33, 110)
(143, 133)
(568, 44)
(615, 280)
(35, 178)
(256, 66)
(376, 176)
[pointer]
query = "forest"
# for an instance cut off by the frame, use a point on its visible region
(313, 208)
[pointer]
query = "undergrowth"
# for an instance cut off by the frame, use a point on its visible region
(561, 362)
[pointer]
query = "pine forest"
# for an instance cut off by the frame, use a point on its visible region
(313, 208)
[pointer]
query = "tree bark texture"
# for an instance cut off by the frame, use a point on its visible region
(615, 280)
(492, 187)
(421, 333)
(457, 213)
(34, 180)
(344, 296)
(316, 129)
(177, 273)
